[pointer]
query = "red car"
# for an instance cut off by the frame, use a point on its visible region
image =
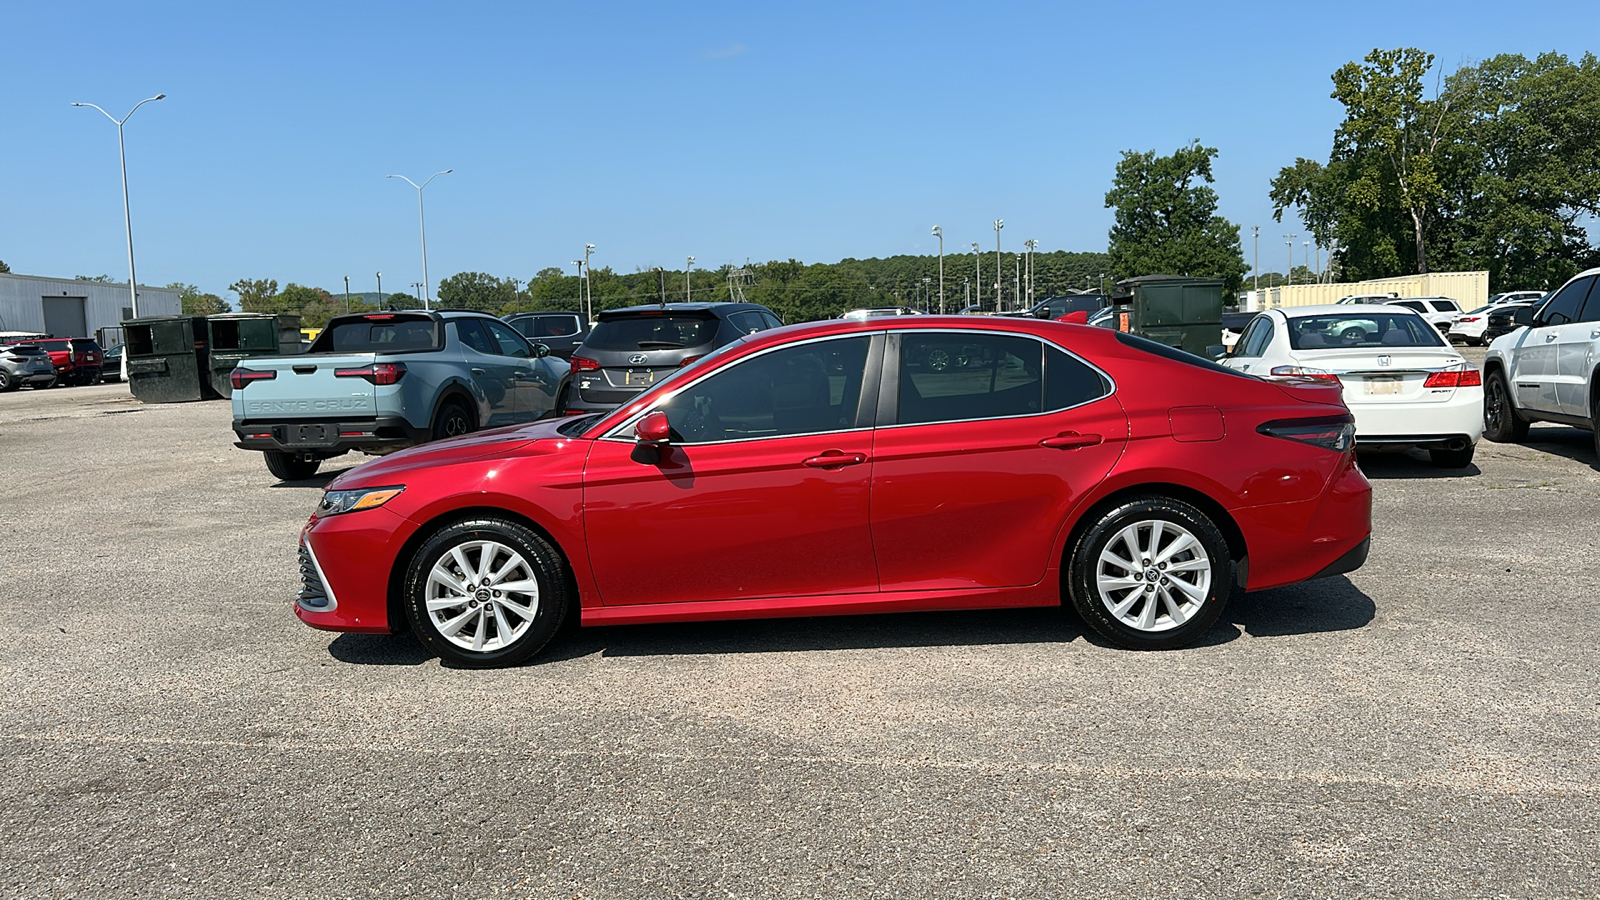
(857, 466)
(77, 360)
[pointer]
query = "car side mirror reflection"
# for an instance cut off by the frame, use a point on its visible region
(653, 428)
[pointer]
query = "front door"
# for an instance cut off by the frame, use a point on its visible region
(1575, 356)
(494, 373)
(762, 491)
(996, 438)
(1535, 363)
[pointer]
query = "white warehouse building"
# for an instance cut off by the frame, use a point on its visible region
(68, 308)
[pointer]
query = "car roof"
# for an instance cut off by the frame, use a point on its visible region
(1045, 328)
(1340, 308)
(543, 312)
(719, 306)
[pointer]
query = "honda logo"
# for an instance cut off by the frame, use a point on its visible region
(1383, 360)
(638, 359)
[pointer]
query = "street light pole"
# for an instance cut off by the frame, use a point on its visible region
(1288, 241)
(1307, 251)
(579, 264)
(347, 293)
(688, 287)
(1016, 279)
(998, 224)
(380, 290)
(1030, 245)
(939, 233)
(1257, 265)
(127, 216)
(422, 227)
(588, 282)
(977, 262)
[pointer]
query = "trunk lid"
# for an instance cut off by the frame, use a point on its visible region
(1386, 375)
(305, 387)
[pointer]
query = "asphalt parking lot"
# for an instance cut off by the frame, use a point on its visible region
(1424, 727)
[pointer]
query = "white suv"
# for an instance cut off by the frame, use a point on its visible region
(1441, 312)
(1547, 371)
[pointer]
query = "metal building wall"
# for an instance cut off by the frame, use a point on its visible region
(22, 302)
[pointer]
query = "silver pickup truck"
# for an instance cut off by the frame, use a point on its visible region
(382, 381)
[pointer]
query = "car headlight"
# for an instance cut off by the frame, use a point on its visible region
(336, 502)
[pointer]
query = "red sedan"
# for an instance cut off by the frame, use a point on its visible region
(877, 465)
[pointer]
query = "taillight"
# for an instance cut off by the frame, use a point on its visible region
(691, 360)
(1472, 319)
(584, 364)
(1453, 378)
(1303, 372)
(377, 373)
(1336, 433)
(241, 377)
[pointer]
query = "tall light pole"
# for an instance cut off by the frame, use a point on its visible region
(127, 216)
(926, 300)
(1030, 245)
(422, 227)
(1257, 265)
(380, 290)
(977, 263)
(966, 288)
(588, 282)
(1016, 279)
(579, 264)
(1288, 241)
(347, 293)
(1306, 245)
(417, 286)
(939, 233)
(998, 224)
(688, 288)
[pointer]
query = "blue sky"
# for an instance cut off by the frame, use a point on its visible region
(816, 131)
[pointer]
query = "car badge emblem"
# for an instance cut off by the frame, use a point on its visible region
(1383, 360)
(637, 359)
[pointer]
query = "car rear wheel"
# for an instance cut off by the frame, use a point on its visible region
(8, 383)
(290, 467)
(1452, 459)
(453, 420)
(1152, 573)
(486, 593)
(1501, 423)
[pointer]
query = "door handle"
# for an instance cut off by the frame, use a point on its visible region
(834, 459)
(1594, 334)
(477, 371)
(1071, 440)
(1549, 337)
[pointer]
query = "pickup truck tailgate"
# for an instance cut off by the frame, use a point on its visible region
(307, 387)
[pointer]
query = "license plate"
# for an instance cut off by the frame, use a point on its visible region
(1383, 385)
(308, 434)
(640, 379)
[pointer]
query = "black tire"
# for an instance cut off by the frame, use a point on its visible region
(453, 420)
(1501, 423)
(560, 408)
(8, 383)
(289, 467)
(1209, 575)
(1452, 459)
(522, 622)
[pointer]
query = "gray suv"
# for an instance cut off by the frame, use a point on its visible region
(1547, 371)
(25, 364)
(633, 348)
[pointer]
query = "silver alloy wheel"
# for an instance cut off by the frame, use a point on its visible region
(1153, 575)
(482, 596)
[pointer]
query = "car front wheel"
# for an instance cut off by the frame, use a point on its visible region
(1152, 573)
(486, 593)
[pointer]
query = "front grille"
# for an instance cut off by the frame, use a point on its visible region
(313, 595)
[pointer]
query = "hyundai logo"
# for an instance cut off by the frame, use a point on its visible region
(637, 359)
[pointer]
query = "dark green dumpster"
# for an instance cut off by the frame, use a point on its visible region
(233, 337)
(1180, 312)
(167, 358)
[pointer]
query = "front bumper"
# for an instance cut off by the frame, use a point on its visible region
(328, 437)
(345, 564)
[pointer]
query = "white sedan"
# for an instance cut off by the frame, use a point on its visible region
(1405, 384)
(1470, 327)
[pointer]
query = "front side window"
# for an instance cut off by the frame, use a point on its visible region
(507, 342)
(1256, 337)
(806, 389)
(953, 377)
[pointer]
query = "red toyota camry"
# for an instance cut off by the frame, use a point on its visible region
(876, 465)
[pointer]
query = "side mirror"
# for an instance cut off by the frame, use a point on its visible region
(1523, 316)
(540, 351)
(653, 428)
(1217, 351)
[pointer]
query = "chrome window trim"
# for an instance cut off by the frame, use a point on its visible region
(626, 424)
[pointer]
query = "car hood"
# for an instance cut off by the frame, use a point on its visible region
(497, 442)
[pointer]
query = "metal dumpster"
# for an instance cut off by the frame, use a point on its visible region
(1180, 312)
(233, 337)
(168, 358)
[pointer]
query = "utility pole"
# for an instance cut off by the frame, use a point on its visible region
(380, 290)
(347, 293)
(939, 233)
(688, 288)
(998, 224)
(977, 262)
(1256, 267)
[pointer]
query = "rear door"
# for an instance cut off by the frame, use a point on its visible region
(1575, 355)
(985, 443)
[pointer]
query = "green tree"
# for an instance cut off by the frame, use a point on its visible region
(1166, 219)
(257, 295)
(401, 300)
(194, 303)
(4, 269)
(97, 279)
(477, 290)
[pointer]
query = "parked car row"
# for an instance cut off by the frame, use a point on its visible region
(66, 361)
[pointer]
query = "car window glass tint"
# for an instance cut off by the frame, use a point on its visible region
(1564, 306)
(556, 326)
(1338, 330)
(946, 377)
(1590, 311)
(471, 332)
(650, 331)
(508, 342)
(385, 335)
(804, 389)
(1068, 381)
(771, 320)
(1256, 337)
(1413, 304)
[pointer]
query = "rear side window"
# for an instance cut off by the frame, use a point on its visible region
(1413, 304)
(378, 334)
(651, 332)
(547, 326)
(953, 377)
(1444, 306)
(471, 333)
(1068, 381)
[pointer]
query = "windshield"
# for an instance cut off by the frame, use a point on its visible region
(651, 332)
(55, 346)
(1346, 330)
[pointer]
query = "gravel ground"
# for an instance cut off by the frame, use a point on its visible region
(1425, 727)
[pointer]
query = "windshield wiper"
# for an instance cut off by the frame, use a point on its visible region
(661, 345)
